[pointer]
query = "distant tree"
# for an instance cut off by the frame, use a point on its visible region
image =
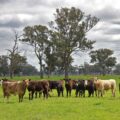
(28, 69)
(117, 69)
(69, 34)
(103, 59)
(37, 37)
(14, 56)
(4, 65)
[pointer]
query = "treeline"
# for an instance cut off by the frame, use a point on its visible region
(19, 69)
(55, 44)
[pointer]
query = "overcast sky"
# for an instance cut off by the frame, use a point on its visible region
(16, 14)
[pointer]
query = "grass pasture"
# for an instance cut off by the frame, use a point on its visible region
(62, 108)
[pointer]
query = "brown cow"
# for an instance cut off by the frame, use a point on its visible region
(18, 87)
(37, 86)
(69, 85)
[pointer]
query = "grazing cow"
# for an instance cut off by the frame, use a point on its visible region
(69, 85)
(37, 86)
(80, 88)
(59, 85)
(102, 85)
(18, 87)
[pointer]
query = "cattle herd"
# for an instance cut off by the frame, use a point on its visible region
(94, 86)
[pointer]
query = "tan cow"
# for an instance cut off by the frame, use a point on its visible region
(102, 85)
(15, 88)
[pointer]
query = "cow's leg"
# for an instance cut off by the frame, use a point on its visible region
(35, 94)
(4, 97)
(95, 93)
(70, 92)
(29, 95)
(39, 94)
(47, 93)
(7, 98)
(88, 93)
(58, 91)
(32, 94)
(98, 93)
(19, 97)
(76, 93)
(83, 93)
(102, 92)
(113, 92)
(62, 93)
(44, 94)
(67, 92)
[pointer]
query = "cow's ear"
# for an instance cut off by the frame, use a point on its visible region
(23, 80)
(29, 79)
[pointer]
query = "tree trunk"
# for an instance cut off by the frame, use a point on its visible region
(11, 74)
(48, 72)
(41, 70)
(104, 71)
(66, 73)
(66, 70)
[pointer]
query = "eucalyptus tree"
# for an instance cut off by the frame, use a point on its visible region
(69, 33)
(37, 37)
(103, 58)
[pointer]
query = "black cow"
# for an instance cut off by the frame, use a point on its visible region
(80, 88)
(58, 85)
(90, 87)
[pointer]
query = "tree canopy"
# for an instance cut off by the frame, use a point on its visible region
(103, 57)
(69, 33)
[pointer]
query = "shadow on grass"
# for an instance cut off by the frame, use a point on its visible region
(96, 104)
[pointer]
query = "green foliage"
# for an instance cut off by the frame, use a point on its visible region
(117, 69)
(103, 59)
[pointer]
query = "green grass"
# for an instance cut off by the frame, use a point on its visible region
(63, 108)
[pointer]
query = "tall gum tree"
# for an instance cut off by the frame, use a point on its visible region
(37, 37)
(69, 33)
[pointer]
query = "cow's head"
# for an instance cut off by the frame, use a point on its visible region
(27, 81)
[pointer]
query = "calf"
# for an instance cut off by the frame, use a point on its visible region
(18, 87)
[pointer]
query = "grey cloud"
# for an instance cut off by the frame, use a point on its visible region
(113, 31)
(107, 14)
(4, 1)
(116, 22)
(13, 22)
